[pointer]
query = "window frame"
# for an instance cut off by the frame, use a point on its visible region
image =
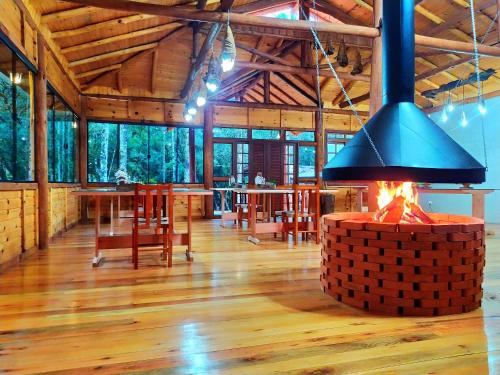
(343, 141)
(191, 139)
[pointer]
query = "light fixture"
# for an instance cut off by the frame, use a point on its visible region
(464, 121)
(187, 117)
(444, 116)
(228, 53)
(481, 106)
(212, 78)
(449, 105)
(201, 96)
(191, 107)
(75, 124)
(17, 78)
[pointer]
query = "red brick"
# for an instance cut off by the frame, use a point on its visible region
(340, 246)
(397, 285)
(434, 237)
(353, 271)
(418, 262)
(399, 301)
(418, 294)
(368, 266)
(352, 256)
(418, 278)
(341, 261)
(449, 294)
(393, 268)
(473, 244)
(414, 245)
(449, 310)
(353, 241)
(468, 268)
(353, 302)
(383, 309)
(383, 244)
(364, 234)
(381, 227)
(384, 292)
(478, 235)
(473, 228)
(446, 228)
(366, 250)
(449, 277)
(462, 301)
(436, 270)
(382, 259)
(435, 254)
(399, 253)
(449, 245)
(459, 236)
(415, 228)
(466, 284)
(332, 223)
(442, 302)
(338, 231)
(418, 311)
(433, 286)
(365, 281)
(384, 275)
(353, 286)
(396, 236)
(449, 261)
(353, 224)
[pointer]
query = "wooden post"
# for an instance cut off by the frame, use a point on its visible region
(320, 145)
(41, 157)
(83, 134)
(208, 159)
(267, 87)
(375, 88)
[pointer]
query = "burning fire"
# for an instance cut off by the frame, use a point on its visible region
(398, 203)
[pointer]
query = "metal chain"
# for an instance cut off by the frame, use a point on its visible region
(339, 82)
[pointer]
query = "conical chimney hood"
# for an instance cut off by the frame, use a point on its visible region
(412, 147)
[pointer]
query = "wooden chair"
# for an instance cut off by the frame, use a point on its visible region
(282, 203)
(156, 217)
(305, 217)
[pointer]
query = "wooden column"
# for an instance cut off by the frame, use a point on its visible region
(41, 156)
(375, 87)
(267, 87)
(208, 159)
(320, 144)
(83, 146)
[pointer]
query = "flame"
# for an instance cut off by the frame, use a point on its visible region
(398, 203)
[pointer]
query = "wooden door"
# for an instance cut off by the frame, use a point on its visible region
(266, 157)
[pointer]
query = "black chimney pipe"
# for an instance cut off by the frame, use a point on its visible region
(410, 146)
(398, 51)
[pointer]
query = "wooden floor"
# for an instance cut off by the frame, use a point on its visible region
(239, 308)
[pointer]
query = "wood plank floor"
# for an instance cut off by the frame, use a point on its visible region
(239, 308)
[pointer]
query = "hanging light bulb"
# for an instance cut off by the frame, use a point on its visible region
(187, 117)
(201, 96)
(444, 116)
(449, 105)
(481, 107)
(228, 53)
(191, 107)
(75, 124)
(464, 121)
(16, 79)
(212, 78)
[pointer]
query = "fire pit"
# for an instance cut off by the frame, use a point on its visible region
(404, 269)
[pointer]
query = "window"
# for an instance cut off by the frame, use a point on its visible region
(300, 136)
(266, 134)
(230, 133)
(242, 163)
(16, 127)
(148, 154)
(289, 164)
(62, 138)
(307, 162)
(334, 143)
(223, 159)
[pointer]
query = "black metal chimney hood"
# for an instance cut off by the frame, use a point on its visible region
(411, 146)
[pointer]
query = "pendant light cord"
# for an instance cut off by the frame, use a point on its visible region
(335, 75)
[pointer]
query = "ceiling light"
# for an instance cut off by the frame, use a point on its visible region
(481, 106)
(464, 121)
(191, 107)
(212, 78)
(201, 96)
(444, 116)
(17, 78)
(228, 53)
(187, 117)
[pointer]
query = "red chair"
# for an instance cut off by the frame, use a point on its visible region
(305, 217)
(155, 218)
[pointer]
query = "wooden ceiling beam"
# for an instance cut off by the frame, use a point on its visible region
(299, 70)
(301, 91)
(284, 93)
(66, 13)
(120, 37)
(261, 5)
(340, 96)
(113, 54)
(100, 25)
(330, 9)
(94, 72)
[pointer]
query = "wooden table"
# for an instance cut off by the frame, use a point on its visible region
(478, 206)
(225, 215)
(120, 241)
(265, 227)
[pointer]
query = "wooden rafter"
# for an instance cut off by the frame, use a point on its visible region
(297, 88)
(109, 55)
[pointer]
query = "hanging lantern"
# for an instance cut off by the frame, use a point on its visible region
(330, 49)
(449, 105)
(464, 121)
(342, 58)
(16, 79)
(201, 96)
(191, 107)
(228, 53)
(212, 78)
(357, 65)
(481, 106)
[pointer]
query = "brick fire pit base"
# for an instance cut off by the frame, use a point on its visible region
(404, 269)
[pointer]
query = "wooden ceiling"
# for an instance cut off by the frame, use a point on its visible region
(122, 53)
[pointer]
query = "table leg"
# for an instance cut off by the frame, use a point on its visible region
(478, 205)
(112, 214)
(189, 228)
(252, 218)
(222, 207)
(97, 255)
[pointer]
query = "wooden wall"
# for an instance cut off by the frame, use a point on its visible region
(19, 218)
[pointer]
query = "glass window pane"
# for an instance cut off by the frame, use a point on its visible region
(300, 136)
(198, 141)
(230, 133)
(265, 134)
(135, 140)
(307, 161)
(102, 152)
(223, 159)
(16, 130)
